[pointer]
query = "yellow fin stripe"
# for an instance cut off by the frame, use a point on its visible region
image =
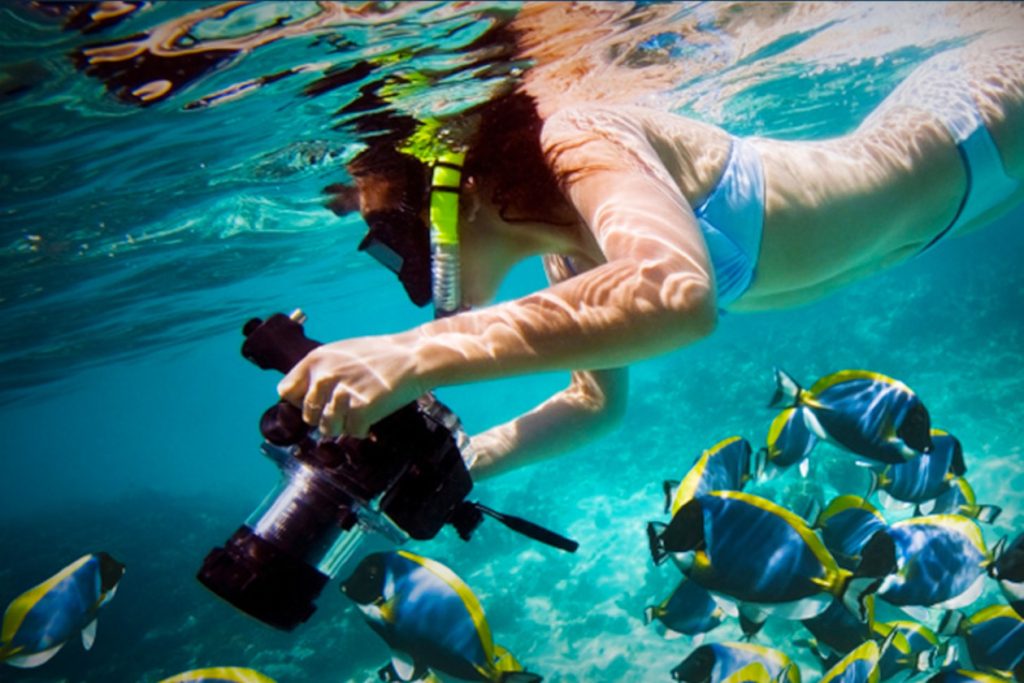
(778, 424)
(220, 673)
(848, 375)
(916, 628)
(866, 650)
(21, 605)
(848, 502)
(688, 486)
(476, 611)
(994, 612)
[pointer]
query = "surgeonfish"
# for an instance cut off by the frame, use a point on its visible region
(726, 466)
(861, 665)
(716, 662)
(965, 676)
(847, 524)
(689, 610)
(959, 499)
(789, 442)
(993, 638)
(866, 413)
(39, 622)
(942, 560)
(760, 557)
(1008, 570)
(925, 477)
(837, 631)
(219, 674)
(912, 643)
(430, 619)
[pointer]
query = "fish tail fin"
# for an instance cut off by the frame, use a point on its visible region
(992, 561)
(759, 464)
(650, 614)
(950, 623)
(655, 541)
(787, 391)
(788, 671)
(854, 592)
(941, 657)
(986, 514)
(510, 670)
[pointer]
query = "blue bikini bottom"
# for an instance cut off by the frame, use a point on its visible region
(987, 181)
(732, 221)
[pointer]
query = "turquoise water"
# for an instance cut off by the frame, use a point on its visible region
(135, 241)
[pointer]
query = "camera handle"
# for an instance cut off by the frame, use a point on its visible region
(468, 516)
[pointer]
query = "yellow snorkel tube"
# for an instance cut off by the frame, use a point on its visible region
(445, 191)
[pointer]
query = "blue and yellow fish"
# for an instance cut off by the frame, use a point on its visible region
(717, 662)
(40, 621)
(943, 562)
(789, 442)
(689, 610)
(861, 665)
(913, 644)
(220, 674)
(960, 499)
(925, 477)
(993, 638)
(1008, 570)
(866, 413)
(431, 620)
(758, 555)
(847, 525)
(726, 466)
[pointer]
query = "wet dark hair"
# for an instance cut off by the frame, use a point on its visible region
(504, 156)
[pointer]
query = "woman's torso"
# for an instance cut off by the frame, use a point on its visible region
(838, 209)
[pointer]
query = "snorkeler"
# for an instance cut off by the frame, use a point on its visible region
(651, 224)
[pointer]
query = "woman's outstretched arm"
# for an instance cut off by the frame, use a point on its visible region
(652, 294)
(588, 408)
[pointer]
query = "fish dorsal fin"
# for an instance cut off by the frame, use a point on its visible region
(33, 660)
(89, 635)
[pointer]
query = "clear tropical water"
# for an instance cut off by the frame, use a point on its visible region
(135, 241)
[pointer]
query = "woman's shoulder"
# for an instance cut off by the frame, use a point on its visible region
(689, 152)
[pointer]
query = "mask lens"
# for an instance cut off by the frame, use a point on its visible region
(382, 253)
(399, 240)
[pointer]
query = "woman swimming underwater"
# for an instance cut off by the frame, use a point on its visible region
(651, 224)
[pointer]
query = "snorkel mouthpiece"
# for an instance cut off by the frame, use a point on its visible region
(445, 190)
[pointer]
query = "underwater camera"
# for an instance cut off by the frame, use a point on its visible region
(342, 498)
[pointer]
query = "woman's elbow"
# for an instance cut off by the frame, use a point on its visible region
(689, 307)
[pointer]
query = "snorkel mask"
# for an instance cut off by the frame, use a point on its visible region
(425, 261)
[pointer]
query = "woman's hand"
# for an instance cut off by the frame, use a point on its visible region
(346, 386)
